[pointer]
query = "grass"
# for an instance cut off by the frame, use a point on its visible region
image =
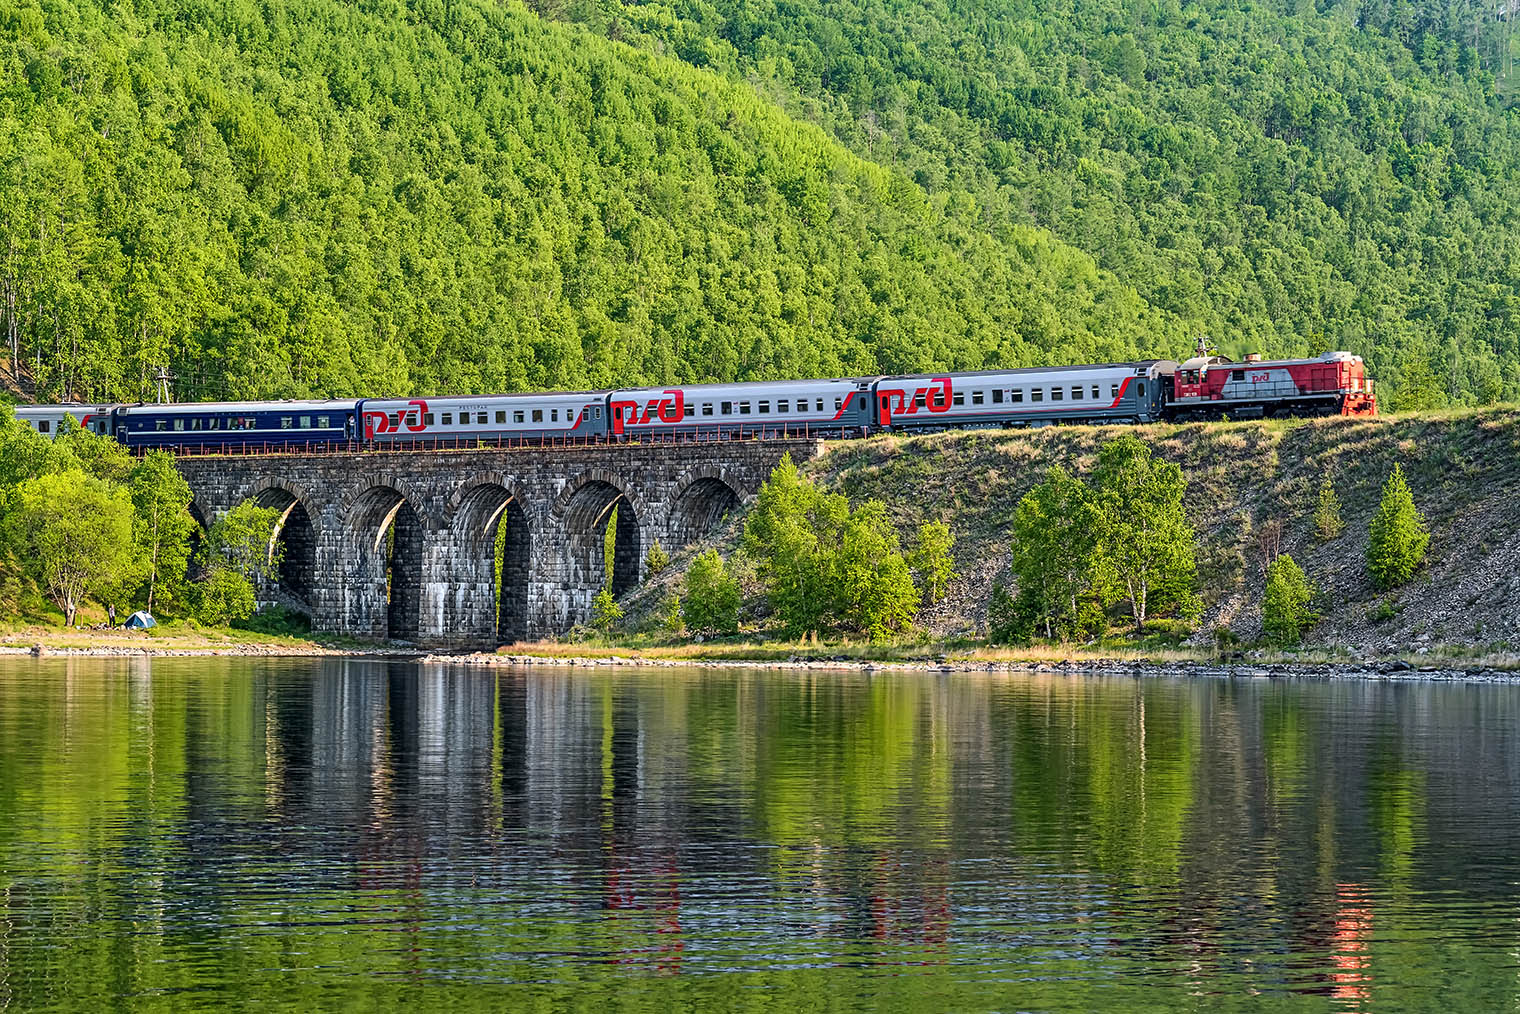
(173, 635)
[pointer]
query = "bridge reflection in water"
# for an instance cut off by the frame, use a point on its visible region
(288, 832)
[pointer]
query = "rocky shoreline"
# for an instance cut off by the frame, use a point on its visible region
(1388, 670)
(229, 651)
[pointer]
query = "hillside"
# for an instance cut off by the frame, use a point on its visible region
(309, 197)
(1463, 468)
(1291, 176)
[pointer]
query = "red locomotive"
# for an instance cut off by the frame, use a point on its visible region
(1209, 386)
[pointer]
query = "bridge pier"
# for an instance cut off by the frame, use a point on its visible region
(474, 548)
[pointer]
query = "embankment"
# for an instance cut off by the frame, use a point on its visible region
(1464, 470)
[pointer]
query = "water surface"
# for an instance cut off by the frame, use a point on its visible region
(206, 834)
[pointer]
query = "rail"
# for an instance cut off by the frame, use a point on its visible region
(523, 444)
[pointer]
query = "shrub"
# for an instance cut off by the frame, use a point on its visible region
(1327, 513)
(1397, 537)
(605, 612)
(1057, 537)
(1285, 612)
(931, 561)
(711, 605)
(225, 596)
(656, 560)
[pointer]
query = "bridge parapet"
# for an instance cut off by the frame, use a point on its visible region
(469, 548)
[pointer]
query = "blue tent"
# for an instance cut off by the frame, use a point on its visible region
(140, 620)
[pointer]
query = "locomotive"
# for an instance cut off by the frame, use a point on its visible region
(1204, 387)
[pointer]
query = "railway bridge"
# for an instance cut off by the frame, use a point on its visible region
(480, 546)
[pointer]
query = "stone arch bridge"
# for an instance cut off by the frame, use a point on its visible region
(403, 545)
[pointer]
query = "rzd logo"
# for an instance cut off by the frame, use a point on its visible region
(382, 422)
(936, 399)
(667, 410)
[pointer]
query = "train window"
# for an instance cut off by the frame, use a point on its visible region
(838, 404)
(596, 413)
(1113, 390)
(1096, 396)
(306, 422)
(501, 418)
(1076, 394)
(1056, 394)
(538, 415)
(781, 406)
(448, 418)
(517, 416)
(976, 397)
(1036, 394)
(396, 421)
(1140, 389)
(285, 422)
(1237, 374)
(707, 408)
(195, 423)
(820, 404)
(727, 408)
(213, 423)
(427, 419)
(554, 415)
(322, 420)
(918, 400)
(997, 397)
(958, 398)
(744, 408)
(765, 408)
(43, 425)
(689, 411)
(1016, 395)
(179, 425)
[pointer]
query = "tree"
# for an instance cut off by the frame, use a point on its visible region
(790, 533)
(1057, 538)
(1327, 513)
(1397, 537)
(225, 597)
(1148, 543)
(243, 541)
(605, 612)
(656, 560)
(74, 534)
(163, 526)
(931, 561)
(1285, 612)
(711, 603)
(876, 592)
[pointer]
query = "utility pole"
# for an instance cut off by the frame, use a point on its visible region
(163, 385)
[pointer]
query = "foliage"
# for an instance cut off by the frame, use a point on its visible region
(1327, 513)
(243, 541)
(162, 525)
(324, 198)
(1149, 545)
(74, 534)
(224, 597)
(672, 615)
(1397, 537)
(656, 560)
(1287, 177)
(605, 611)
(711, 603)
(824, 565)
(1006, 624)
(931, 559)
(1058, 559)
(1285, 611)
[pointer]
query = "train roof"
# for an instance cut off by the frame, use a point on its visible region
(1142, 366)
(25, 410)
(1205, 362)
(190, 407)
(749, 385)
(431, 398)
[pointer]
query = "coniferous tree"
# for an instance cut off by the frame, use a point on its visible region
(1397, 537)
(1285, 605)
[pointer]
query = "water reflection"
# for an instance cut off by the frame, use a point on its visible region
(184, 834)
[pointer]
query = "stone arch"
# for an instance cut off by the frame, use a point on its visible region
(195, 568)
(705, 494)
(384, 532)
(296, 529)
(584, 508)
(484, 506)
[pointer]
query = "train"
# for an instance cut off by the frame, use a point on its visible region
(1205, 387)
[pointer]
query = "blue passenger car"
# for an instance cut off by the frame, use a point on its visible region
(231, 424)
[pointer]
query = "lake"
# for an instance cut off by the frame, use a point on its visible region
(212, 833)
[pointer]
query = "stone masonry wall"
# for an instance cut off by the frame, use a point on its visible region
(400, 544)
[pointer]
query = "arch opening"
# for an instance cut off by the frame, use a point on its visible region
(389, 533)
(496, 529)
(295, 538)
(701, 508)
(602, 524)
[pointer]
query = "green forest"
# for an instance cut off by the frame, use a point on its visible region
(301, 197)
